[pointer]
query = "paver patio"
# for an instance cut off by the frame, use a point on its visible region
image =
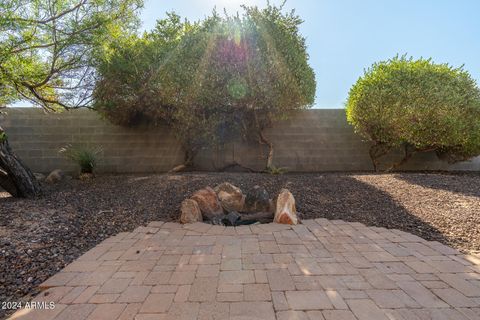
(328, 270)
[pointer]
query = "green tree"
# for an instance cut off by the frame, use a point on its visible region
(285, 82)
(419, 106)
(140, 82)
(211, 80)
(48, 52)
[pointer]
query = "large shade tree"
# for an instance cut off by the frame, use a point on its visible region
(48, 54)
(211, 80)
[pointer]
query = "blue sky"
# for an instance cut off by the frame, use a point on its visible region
(346, 36)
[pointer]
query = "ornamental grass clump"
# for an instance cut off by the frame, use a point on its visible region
(418, 106)
(86, 158)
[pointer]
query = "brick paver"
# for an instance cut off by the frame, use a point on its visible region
(322, 269)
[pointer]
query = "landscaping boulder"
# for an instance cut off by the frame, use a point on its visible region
(257, 200)
(231, 198)
(190, 211)
(208, 202)
(55, 176)
(285, 212)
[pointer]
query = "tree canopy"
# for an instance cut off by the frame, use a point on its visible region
(418, 105)
(212, 79)
(48, 48)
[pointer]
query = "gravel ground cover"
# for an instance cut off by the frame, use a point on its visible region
(38, 237)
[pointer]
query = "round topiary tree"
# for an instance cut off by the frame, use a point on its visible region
(419, 106)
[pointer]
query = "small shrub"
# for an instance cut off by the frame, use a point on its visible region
(276, 170)
(86, 158)
(419, 106)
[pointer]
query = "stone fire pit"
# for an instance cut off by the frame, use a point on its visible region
(227, 205)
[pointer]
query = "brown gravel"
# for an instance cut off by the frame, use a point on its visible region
(39, 237)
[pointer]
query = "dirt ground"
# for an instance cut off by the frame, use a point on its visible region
(40, 236)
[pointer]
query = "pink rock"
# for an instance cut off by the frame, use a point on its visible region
(285, 212)
(207, 200)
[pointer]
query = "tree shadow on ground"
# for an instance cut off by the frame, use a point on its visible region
(463, 183)
(128, 201)
(341, 196)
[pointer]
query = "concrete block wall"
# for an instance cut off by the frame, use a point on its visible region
(37, 137)
(311, 141)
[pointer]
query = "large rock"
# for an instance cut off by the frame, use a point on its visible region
(257, 200)
(285, 212)
(231, 198)
(208, 202)
(190, 211)
(55, 176)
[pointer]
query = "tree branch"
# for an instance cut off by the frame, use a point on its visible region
(53, 18)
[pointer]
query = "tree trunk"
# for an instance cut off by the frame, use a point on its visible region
(373, 158)
(188, 158)
(408, 153)
(264, 140)
(376, 151)
(188, 161)
(7, 183)
(16, 178)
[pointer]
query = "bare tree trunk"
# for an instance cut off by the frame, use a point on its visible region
(408, 153)
(188, 161)
(16, 178)
(376, 151)
(189, 157)
(7, 183)
(264, 140)
(374, 158)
